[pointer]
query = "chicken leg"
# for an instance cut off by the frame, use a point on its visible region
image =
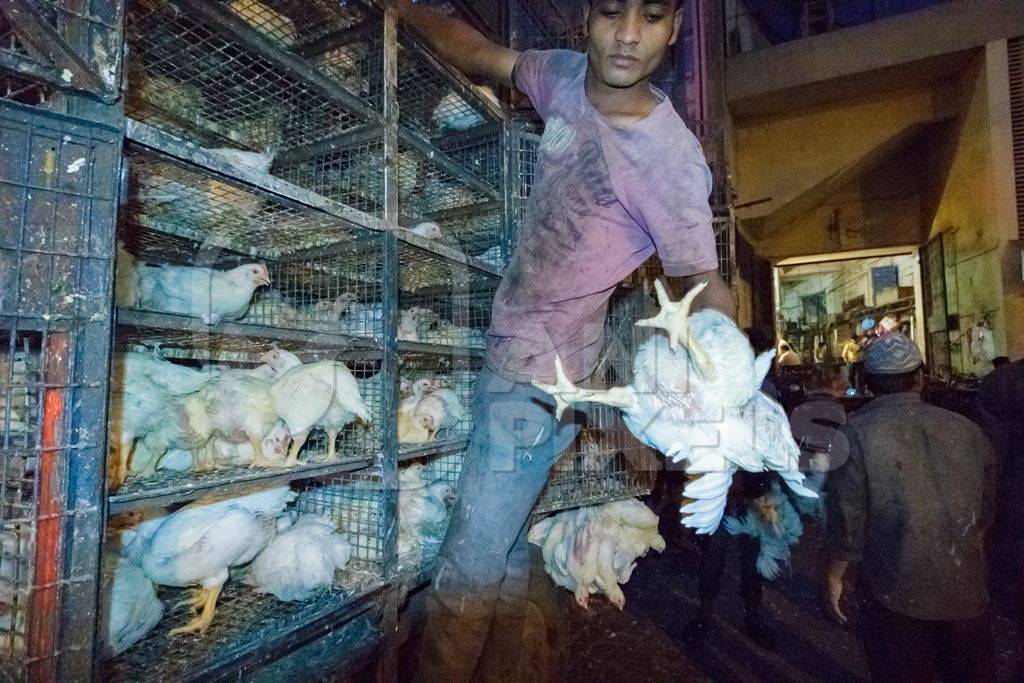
(203, 621)
(124, 459)
(566, 393)
(298, 441)
(674, 319)
(332, 452)
(196, 600)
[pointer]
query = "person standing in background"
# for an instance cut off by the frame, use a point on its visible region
(999, 408)
(911, 504)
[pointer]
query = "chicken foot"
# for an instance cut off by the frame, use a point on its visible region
(209, 609)
(298, 441)
(197, 598)
(566, 393)
(674, 319)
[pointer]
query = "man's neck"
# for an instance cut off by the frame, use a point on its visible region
(625, 104)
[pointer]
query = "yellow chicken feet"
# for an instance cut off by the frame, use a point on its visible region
(197, 598)
(203, 621)
(298, 441)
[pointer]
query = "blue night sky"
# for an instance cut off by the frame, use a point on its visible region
(780, 19)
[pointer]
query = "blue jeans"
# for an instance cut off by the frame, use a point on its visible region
(475, 605)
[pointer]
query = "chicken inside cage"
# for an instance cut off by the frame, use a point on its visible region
(178, 418)
(201, 572)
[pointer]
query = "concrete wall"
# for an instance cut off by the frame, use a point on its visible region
(976, 211)
(833, 64)
(783, 158)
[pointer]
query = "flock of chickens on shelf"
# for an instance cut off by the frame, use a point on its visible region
(281, 542)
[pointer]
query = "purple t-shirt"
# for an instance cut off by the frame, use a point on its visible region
(605, 197)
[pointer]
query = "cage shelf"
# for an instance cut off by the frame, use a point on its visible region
(178, 487)
(187, 337)
(246, 623)
(411, 452)
(217, 204)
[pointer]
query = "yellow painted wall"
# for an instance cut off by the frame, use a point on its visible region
(975, 212)
(783, 156)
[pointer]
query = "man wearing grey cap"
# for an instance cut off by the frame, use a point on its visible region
(911, 503)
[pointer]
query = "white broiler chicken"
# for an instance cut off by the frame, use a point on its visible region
(212, 295)
(129, 607)
(269, 22)
(259, 161)
(301, 560)
(454, 113)
(150, 400)
(413, 321)
(696, 397)
(322, 311)
(322, 394)
(365, 320)
(413, 427)
(275, 449)
(443, 405)
(594, 549)
(241, 410)
(429, 230)
(422, 509)
(201, 541)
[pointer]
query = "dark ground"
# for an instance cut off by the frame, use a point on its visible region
(646, 642)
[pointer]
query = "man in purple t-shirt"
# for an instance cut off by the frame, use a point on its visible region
(619, 178)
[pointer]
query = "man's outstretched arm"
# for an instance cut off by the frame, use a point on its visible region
(459, 44)
(716, 295)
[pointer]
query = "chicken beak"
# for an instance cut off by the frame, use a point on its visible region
(263, 277)
(674, 319)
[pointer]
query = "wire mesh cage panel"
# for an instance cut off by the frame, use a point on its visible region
(606, 462)
(184, 200)
(245, 619)
(478, 233)
(430, 102)
(426, 494)
(443, 303)
(350, 171)
(210, 441)
(525, 141)
(356, 503)
(435, 414)
(51, 44)
(58, 196)
(264, 76)
(547, 24)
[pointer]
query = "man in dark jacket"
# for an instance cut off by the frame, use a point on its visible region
(911, 504)
(999, 408)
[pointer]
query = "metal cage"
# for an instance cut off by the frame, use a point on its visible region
(606, 462)
(245, 619)
(58, 190)
(58, 45)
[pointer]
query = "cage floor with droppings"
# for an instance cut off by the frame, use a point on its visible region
(245, 620)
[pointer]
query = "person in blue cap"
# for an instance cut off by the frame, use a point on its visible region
(911, 503)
